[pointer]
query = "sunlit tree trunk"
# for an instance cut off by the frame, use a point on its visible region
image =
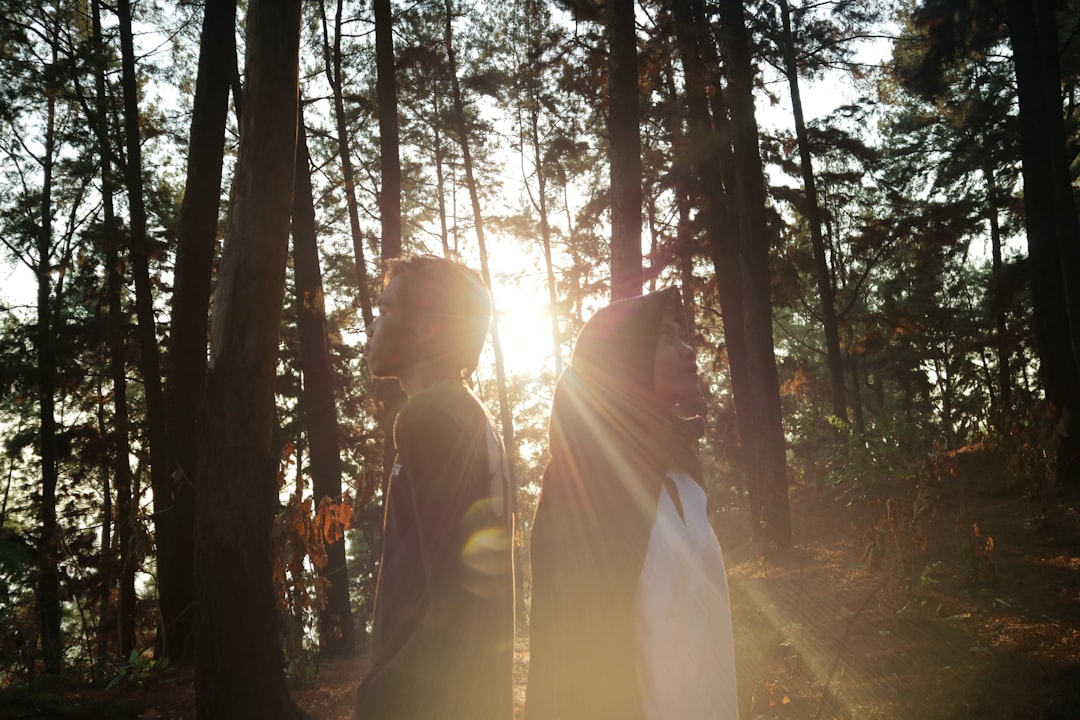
(240, 667)
(541, 205)
(197, 230)
(624, 149)
(320, 412)
(545, 241)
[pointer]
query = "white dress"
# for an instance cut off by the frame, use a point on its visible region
(686, 669)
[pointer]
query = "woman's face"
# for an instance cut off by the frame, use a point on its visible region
(675, 378)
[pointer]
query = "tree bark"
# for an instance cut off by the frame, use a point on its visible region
(170, 538)
(1053, 228)
(186, 366)
(624, 150)
(240, 668)
(117, 324)
(765, 447)
(320, 413)
(389, 397)
(709, 150)
(48, 580)
(389, 154)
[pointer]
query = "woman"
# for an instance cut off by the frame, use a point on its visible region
(630, 617)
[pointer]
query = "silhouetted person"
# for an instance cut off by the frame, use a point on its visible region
(630, 618)
(443, 633)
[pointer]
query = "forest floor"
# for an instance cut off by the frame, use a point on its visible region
(948, 599)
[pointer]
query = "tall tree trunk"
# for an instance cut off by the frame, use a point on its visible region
(709, 151)
(117, 323)
(1004, 375)
(106, 563)
(389, 397)
(332, 62)
(1053, 228)
(48, 580)
(168, 537)
(186, 366)
(545, 229)
(240, 668)
(812, 213)
(505, 416)
(765, 447)
(681, 171)
(439, 159)
(389, 156)
(624, 150)
(320, 412)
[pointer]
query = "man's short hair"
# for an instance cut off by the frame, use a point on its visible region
(452, 295)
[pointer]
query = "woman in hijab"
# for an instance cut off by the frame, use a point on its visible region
(630, 617)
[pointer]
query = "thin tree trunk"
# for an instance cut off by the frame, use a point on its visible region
(624, 150)
(545, 233)
(812, 211)
(439, 159)
(681, 172)
(186, 367)
(1004, 375)
(332, 61)
(463, 138)
(389, 154)
(320, 412)
(240, 667)
(856, 400)
(125, 608)
(505, 415)
(168, 536)
(389, 397)
(48, 581)
(107, 563)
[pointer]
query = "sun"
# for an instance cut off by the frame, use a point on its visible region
(519, 290)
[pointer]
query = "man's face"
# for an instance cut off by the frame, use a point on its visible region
(391, 344)
(675, 378)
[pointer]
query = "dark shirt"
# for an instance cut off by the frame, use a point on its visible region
(443, 633)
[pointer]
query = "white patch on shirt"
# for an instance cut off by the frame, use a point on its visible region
(686, 665)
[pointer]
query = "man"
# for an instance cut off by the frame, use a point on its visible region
(442, 645)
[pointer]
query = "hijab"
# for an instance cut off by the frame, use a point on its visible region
(611, 443)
